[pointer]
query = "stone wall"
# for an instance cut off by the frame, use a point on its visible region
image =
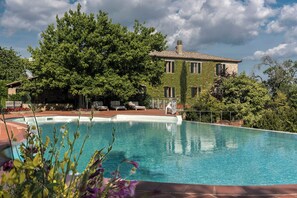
(232, 67)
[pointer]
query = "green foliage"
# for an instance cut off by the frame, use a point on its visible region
(250, 100)
(280, 119)
(281, 81)
(280, 115)
(241, 95)
(89, 55)
(15, 97)
(36, 174)
(206, 108)
(3, 93)
(207, 102)
(245, 96)
(280, 76)
(204, 80)
(183, 84)
(292, 96)
(11, 65)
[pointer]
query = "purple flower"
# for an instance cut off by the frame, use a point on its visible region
(132, 187)
(8, 165)
(93, 190)
(135, 164)
(123, 188)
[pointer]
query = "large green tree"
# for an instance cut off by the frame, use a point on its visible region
(279, 76)
(12, 69)
(280, 115)
(91, 56)
(11, 65)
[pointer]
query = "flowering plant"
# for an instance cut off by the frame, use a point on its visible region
(40, 170)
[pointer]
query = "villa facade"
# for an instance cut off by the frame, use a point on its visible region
(187, 74)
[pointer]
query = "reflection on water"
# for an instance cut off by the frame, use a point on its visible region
(192, 138)
(194, 153)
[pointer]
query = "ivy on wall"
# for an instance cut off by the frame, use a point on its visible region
(183, 84)
(180, 79)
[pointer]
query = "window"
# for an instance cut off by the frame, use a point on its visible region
(169, 66)
(220, 69)
(195, 91)
(169, 92)
(196, 67)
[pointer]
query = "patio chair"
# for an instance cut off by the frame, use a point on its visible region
(98, 105)
(168, 108)
(135, 106)
(117, 105)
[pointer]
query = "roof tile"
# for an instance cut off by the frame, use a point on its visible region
(191, 56)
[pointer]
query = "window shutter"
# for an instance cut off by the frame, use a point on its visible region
(193, 92)
(173, 92)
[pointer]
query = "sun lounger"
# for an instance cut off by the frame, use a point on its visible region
(98, 105)
(135, 106)
(117, 105)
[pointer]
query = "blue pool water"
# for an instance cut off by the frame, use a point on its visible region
(194, 153)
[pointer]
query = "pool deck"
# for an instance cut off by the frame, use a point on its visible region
(163, 190)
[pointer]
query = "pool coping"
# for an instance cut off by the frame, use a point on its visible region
(156, 189)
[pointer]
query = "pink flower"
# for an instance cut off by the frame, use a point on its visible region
(135, 164)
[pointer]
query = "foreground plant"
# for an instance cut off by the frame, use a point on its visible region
(40, 170)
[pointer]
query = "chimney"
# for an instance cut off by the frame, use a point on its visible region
(179, 47)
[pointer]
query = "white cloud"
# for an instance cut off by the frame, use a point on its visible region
(284, 50)
(285, 23)
(127, 11)
(286, 19)
(196, 22)
(288, 13)
(212, 21)
(275, 27)
(31, 15)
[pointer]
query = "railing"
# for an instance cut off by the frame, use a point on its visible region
(159, 103)
(210, 116)
(13, 104)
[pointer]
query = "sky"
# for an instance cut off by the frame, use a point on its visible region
(245, 30)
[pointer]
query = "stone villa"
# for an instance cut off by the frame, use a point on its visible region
(188, 73)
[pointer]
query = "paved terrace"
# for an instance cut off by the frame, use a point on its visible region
(163, 190)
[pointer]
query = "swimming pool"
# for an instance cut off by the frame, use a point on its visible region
(193, 153)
